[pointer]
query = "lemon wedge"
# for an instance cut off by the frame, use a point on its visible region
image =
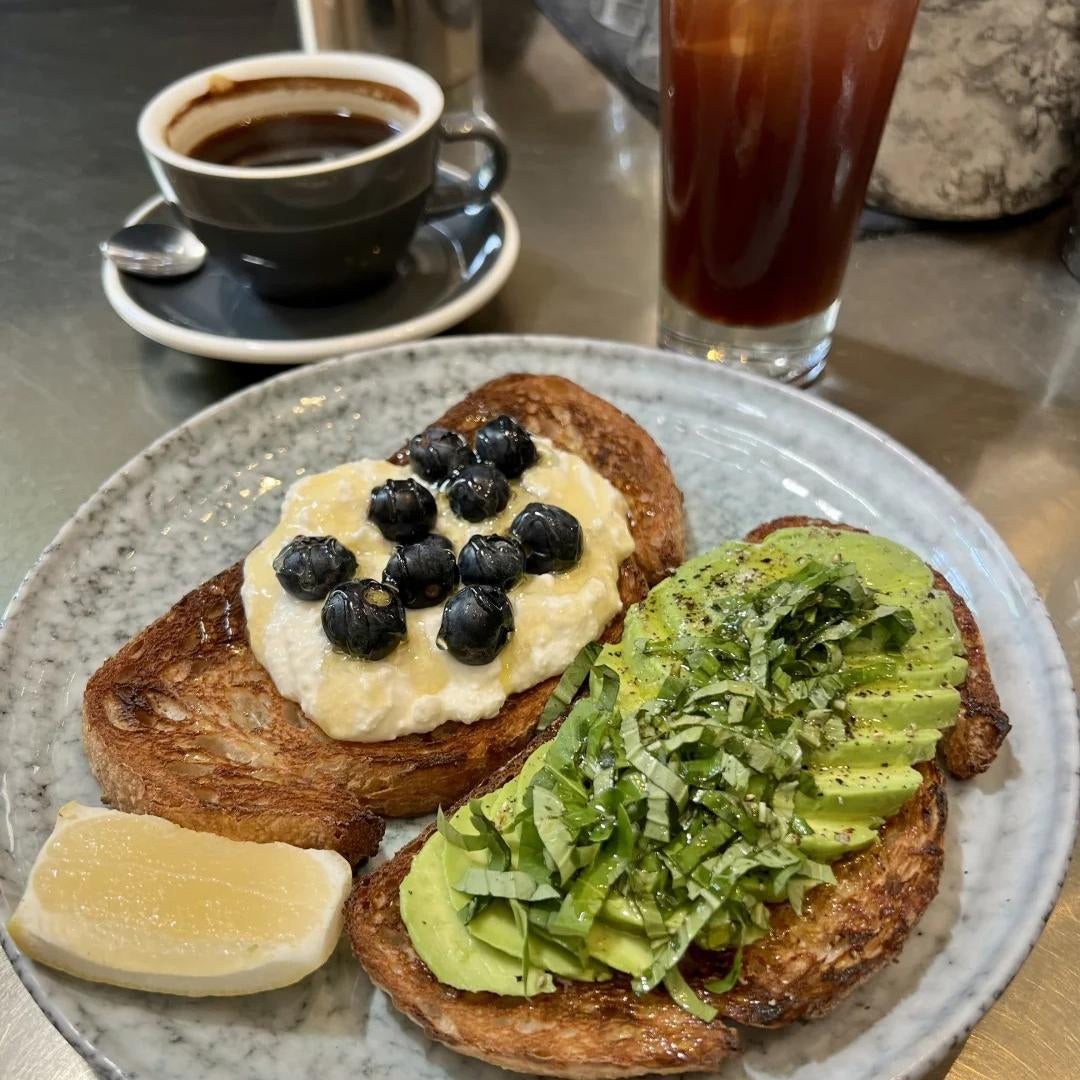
(136, 901)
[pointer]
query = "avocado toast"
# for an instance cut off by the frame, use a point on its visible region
(910, 663)
(185, 723)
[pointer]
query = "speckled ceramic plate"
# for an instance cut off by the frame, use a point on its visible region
(743, 451)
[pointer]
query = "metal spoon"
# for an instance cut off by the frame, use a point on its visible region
(154, 251)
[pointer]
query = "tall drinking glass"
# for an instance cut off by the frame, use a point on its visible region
(771, 113)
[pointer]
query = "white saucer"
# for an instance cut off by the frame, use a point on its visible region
(453, 267)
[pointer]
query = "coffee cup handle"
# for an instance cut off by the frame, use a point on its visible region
(449, 195)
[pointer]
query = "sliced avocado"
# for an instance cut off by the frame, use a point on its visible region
(832, 840)
(620, 949)
(932, 656)
(688, 603)
(935, 621)
(441, 940)
(897, 704)
(919, 675)
(871, 745)
(495, 925)
(719, 935)
(859, 793)
(501, 805)
(901, 708)
(929, 647)
(533, 764)
(621, 913)
(455, 862)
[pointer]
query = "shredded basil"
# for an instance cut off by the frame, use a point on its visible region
(521, 921)
(682, 809)
(510, 884)
(468, 841)
(547, 817)
(730, 980)
(573, 679)
(682, 993)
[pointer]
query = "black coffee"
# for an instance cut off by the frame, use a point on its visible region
(293, 139)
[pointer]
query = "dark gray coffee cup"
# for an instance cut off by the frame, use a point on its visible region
(316, 231)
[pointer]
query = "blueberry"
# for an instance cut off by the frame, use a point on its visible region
(403, 510)
(477, 622)
(504, 443)
(308, 567)
(424, 573)
(364, 618)
(551, 537)
(437, 452)
(492, 560)
(477, 492)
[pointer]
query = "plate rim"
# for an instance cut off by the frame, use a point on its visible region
(312, 350)
(963, 1019)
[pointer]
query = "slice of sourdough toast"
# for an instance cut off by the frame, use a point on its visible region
(803, 968)
(184, 722)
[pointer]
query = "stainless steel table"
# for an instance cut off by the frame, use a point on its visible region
(960, 342)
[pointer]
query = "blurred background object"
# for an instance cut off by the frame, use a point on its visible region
(643, 59)
(440, 36)
(622, 16)
(1070, 241)
(986, 118)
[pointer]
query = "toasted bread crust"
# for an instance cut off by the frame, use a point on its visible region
(185, 723)
(807, 965)
(163, 735)
(970, 746)
(801, 970)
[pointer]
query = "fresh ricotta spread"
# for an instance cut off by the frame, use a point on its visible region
(418, 686)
